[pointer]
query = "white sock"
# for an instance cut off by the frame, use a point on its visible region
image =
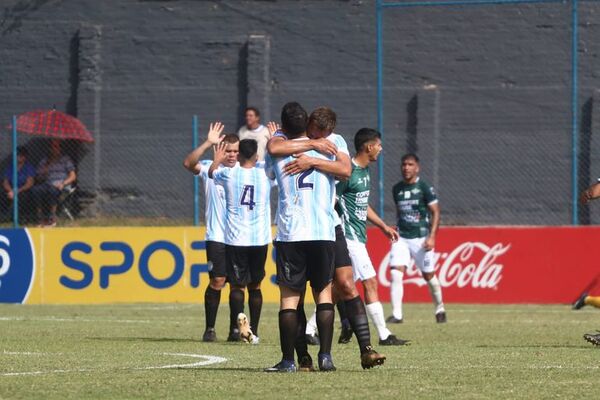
(311, 325)
(397, 292)
(436, 294)
(375, 311)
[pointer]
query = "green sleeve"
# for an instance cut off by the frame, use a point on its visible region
(340, 187)
(428, 193)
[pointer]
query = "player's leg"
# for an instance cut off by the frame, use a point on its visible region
(399, 259)
(424, 260)
(586, 300)
(291, 278)
(257, 258)
(237, 276)
(305, 362)
(310, 332)
(320, 266)
(217, 273)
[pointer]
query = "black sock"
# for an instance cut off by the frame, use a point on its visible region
(236, 306)
(212, 298)
(341, 307)
(255, 302)
(357, 315)
(325, 317)
(300, 344)
(288, 329)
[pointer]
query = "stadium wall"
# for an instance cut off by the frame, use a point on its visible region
(482, 93)
(128, 265)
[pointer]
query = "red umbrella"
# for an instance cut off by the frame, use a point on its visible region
(53, 124)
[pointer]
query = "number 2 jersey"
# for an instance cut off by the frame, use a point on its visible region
(247, 195)
(412, 201)
(305, 208)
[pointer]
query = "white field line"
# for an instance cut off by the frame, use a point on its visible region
(206, 360)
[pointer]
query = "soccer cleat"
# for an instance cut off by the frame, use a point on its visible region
(255, 340)
(234, 336)
(440, 317)
(209, 335)
(345, 335)
(393, 320)
(392, 340)
(326, 363)
(312, 340)
(580, 301)
(305, 363)
(593, 338)
(370, 358)
(246, 334)
(282, 366)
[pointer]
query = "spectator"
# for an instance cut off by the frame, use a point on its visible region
(25, 180)
(255, 130)
(54, 174)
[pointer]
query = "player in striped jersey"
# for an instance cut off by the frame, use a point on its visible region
(353, 207)
(248, 221)
(305, 238)
(215, 222)
(321, 124)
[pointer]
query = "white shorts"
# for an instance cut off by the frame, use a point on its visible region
(362, 267)
(404, 249)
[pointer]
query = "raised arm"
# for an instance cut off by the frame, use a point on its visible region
(373, 218)
(591, 193)
(191, 160)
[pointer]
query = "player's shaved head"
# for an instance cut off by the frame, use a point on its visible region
(293, 119)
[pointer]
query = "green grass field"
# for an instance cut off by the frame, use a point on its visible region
(141, 351)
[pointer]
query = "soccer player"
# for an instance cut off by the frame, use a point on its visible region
(353, 207)
(305, 240)
(591, 193)
(248, 221)
(321, 124)
(418, 214)
(215, 221)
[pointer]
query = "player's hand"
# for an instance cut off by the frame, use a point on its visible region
(220, 155)
(391, 233)
(273, 127)
(300, 164)
(324, 146)
(214, 132)
(429, 243)
(10, 195)
(585, 196)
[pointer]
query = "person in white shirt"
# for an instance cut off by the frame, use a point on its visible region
(255, 130)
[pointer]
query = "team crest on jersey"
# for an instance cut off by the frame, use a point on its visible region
(416, 191)
(406, 195)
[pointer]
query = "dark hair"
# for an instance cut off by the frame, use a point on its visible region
(409, 156)
(256, 112)
(293, 119)
(248, 148)
(323, 118)
(22, 151)
(363, 136)
(231, 138)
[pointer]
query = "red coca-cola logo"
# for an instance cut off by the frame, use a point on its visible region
(470, 264)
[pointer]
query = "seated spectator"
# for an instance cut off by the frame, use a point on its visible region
(25, 181)
(255, 130)
(54, 174)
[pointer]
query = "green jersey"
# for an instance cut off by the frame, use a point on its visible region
(412, 201)
(352, 203)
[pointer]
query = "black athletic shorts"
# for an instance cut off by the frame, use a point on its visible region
(342, 257)
(246, 264)
(215, 254)
(301, 262)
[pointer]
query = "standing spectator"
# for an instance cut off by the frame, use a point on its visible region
(255, 130)
(25, 180)
(55, 173)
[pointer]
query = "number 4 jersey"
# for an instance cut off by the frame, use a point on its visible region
(247, 196)
(305, 208)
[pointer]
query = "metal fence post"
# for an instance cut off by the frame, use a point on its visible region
(379, 11)
(574, 105)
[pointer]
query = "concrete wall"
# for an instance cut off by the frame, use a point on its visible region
(482, 93)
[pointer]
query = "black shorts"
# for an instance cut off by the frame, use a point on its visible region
(246, 264)
(342, 257)
(301, 262)
(215, 254)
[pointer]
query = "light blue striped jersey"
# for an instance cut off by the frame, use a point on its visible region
(247, 198)
(305, 208)
(214, 212)
(340, 142)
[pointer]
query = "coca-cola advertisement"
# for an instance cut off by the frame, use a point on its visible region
(500, 264)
